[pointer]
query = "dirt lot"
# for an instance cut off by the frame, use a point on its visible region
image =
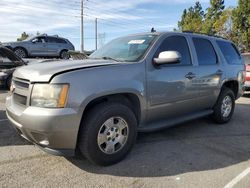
(195, 154)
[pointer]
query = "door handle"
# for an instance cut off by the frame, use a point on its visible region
(219, 72)
(190, 76)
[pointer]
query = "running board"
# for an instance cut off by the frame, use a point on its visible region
(155, 126)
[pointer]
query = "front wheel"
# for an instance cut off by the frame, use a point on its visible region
(224, 107)
(107, 133)
(20, 52)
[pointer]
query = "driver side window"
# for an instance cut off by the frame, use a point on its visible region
(179, 44)
(40, 39)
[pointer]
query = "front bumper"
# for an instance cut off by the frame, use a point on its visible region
(53, 130)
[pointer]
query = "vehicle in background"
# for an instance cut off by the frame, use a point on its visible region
(247, 63)
(9, 61)
(144, 82)
(41, 46)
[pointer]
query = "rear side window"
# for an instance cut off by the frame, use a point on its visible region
(56, 40)
(205, 51)
(230, 52)
(179, 44)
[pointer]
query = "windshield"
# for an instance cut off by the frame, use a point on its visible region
(131, 48)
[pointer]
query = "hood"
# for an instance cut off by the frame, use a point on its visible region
(11, 43)
(43, 72)
(5, 52)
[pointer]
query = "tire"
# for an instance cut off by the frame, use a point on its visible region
(64, 54)
(8, 82)
(224, 114)
(93, 125)
(20, 52)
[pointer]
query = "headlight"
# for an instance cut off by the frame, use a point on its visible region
(49, 95)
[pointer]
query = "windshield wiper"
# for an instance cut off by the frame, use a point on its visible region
(110, 58)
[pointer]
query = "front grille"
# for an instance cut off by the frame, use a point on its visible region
(21, 91)
(21, 84)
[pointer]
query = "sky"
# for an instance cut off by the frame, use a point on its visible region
(115, 18)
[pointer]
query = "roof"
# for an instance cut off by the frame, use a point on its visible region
(187, 33)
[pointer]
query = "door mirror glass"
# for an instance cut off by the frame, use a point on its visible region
(35, 40)
(168, 57)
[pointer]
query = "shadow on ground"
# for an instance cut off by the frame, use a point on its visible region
(8, 135)
(3, 90)
(246, 95)
(199, 145)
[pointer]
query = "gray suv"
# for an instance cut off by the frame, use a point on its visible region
(41, 46)
(144, 82)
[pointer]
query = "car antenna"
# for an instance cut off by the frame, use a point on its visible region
(153, 30)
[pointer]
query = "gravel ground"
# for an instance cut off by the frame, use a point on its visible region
(195, 154)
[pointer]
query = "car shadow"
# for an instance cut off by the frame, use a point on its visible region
(8, 135)
(246, 95)
(198, 145)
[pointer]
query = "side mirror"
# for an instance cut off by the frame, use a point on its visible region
(34, 40)
(168, 57)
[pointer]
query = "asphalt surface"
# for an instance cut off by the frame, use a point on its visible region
(197, 154)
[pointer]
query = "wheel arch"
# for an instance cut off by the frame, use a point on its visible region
(233, 85)
(131, 100)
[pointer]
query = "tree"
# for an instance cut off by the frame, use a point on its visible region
(241, 26)
(213, 14)
(24, 36)
(192, 19)
(223, 26)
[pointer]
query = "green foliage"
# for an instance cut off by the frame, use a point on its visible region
(192, 19)
(231, 23)
(24, 36)
(241, 27)
(213, 14)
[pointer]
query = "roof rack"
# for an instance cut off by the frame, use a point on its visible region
(193, 32)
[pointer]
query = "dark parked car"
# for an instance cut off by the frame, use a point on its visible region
(42, 46)
(8, 62)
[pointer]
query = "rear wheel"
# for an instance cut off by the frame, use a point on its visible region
(224, 108)
(107, 133)
(64, 54)
(20, 52)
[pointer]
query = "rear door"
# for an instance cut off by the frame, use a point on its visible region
(54, 46)
(172, 88)
(210, 71)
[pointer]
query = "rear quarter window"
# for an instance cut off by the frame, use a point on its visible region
(230, 52)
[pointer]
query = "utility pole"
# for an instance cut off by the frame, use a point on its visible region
(96, 33)
(82, 28)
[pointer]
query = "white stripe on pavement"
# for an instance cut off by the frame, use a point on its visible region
(238, 178)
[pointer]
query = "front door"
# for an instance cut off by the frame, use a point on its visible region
(172, 89)
(39, 46)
